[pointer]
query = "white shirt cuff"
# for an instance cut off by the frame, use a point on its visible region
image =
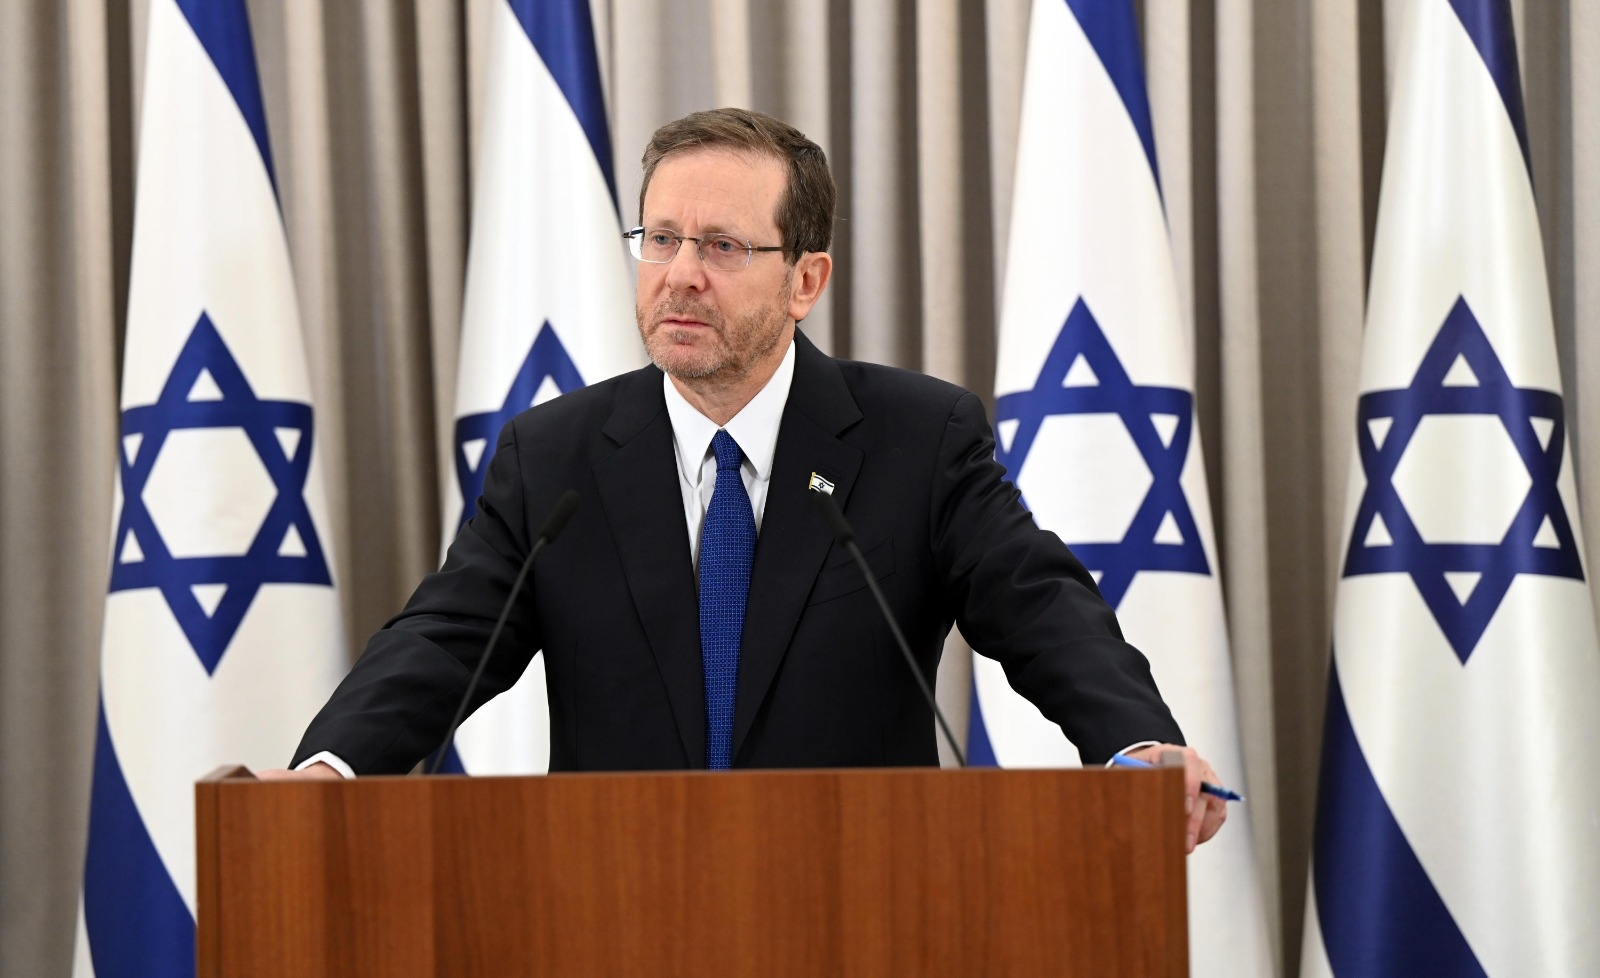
(1141, 745)
(332, 760)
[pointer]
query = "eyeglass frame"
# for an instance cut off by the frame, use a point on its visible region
(638, 233)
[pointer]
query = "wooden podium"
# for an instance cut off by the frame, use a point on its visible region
(772, 873)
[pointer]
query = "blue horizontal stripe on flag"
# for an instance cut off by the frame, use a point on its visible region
(1379, 912)
(980, 752)
(563, 34)
(1489, 24)
(450, 765)
(137, 923)
(1113, 32)
(223, 28)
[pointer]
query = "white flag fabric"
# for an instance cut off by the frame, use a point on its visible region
(222, 629)
(548, 296)
(1456, 818)
(1095, 422)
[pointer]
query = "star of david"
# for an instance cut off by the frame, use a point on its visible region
(1146, 545)
(1384, 538)
(547, 362)
(209, 594)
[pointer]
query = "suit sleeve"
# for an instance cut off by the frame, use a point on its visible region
(1022, 598)
(393, 708)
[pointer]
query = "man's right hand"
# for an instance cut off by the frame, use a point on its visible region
(316, 772)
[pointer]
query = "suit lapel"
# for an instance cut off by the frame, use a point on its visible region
(639, 489)
(794, 539)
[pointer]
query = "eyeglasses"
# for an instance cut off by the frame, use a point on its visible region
(723, 252)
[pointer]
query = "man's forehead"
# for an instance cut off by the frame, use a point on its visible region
(715, 185)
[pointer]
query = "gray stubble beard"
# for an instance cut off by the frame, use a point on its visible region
(734, 371)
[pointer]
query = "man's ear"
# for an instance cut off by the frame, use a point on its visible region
(810, 277)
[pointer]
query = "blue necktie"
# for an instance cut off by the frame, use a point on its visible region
(727, 549)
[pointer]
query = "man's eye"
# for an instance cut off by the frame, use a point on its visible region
(725, 245)
(660, 239)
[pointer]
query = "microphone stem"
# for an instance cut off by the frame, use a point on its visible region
(905, 649)
(494, 638)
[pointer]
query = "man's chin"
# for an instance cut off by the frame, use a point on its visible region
(684, 362)
(691, 372)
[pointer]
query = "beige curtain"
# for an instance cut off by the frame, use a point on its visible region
(1270, 125)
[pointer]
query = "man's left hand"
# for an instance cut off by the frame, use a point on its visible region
(1206, 812)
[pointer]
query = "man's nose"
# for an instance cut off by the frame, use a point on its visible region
(686, 271)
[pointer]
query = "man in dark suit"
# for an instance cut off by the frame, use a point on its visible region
(696, 612)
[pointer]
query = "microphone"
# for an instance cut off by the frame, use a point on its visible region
(559, 515)
(847, 539)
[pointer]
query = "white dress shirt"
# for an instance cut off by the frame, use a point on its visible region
(754, 428)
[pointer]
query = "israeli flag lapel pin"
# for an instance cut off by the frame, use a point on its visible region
(819, 484)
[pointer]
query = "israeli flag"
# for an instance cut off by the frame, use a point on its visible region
(222, 628)
(1457, 827)
(1095, 421)
(548, 295)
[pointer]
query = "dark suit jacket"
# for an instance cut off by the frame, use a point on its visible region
(612, 603)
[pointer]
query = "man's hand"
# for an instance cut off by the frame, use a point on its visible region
(316, 772)
(1206, 812)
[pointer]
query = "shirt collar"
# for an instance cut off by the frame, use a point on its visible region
(755, 427)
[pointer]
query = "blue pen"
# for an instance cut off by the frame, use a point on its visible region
(1206, 786)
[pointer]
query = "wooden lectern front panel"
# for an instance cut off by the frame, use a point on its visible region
(871, 873)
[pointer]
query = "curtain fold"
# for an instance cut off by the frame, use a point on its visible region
(62, 235)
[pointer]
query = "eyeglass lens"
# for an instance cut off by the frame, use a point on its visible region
(719, 251)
